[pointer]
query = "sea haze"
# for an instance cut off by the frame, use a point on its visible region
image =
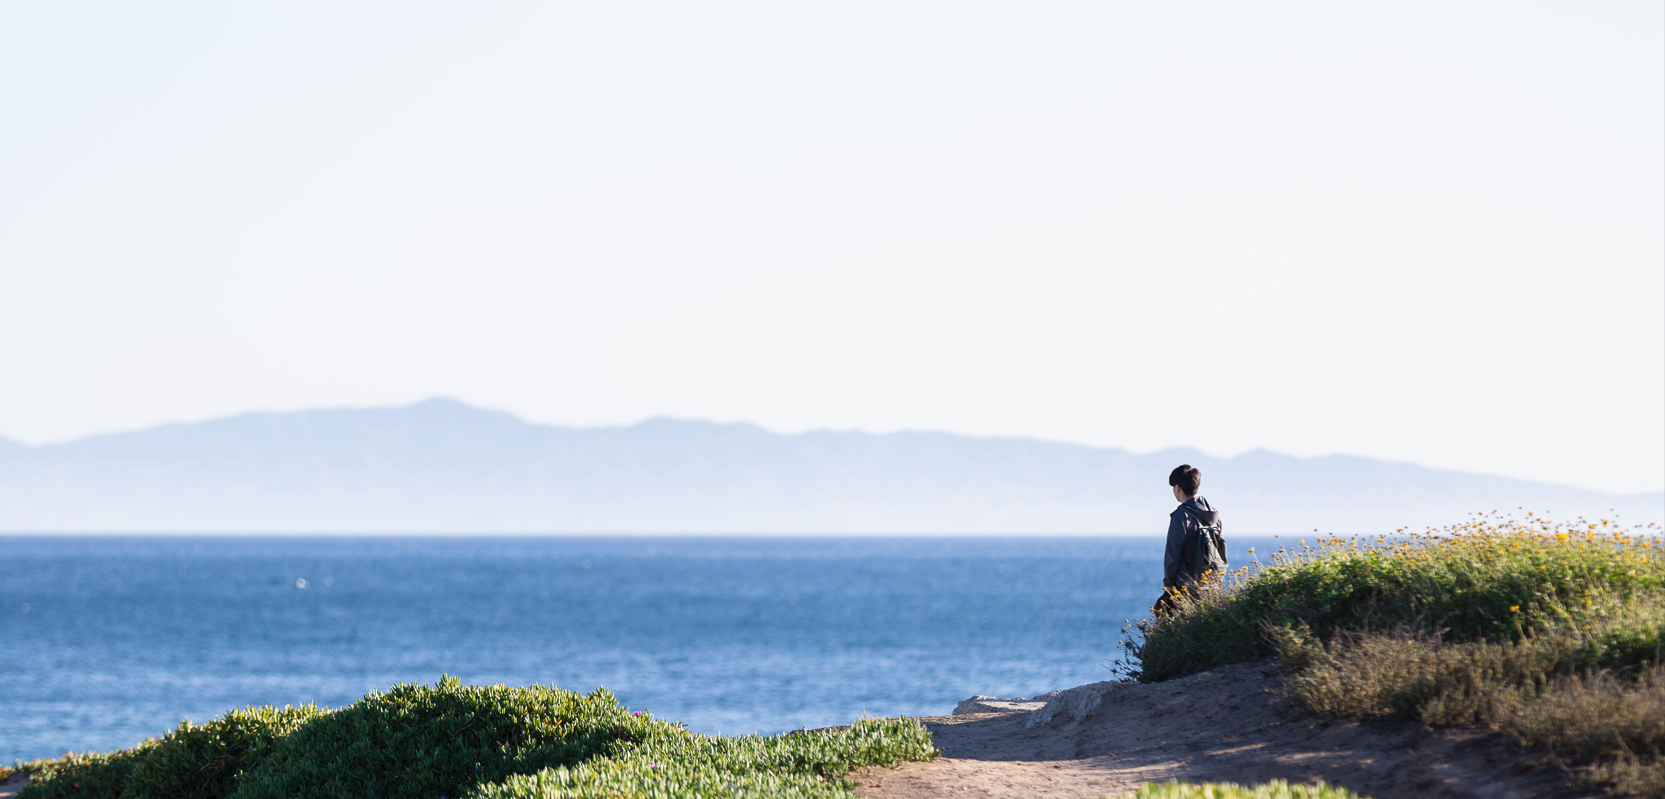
(113, 639)
(444, 467)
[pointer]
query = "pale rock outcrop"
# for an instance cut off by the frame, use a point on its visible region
(995, 704)
(1073, 705)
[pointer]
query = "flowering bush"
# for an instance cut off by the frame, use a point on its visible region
(1494, 578)
(1552, 633)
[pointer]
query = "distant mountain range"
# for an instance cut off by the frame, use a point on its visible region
(444, 467)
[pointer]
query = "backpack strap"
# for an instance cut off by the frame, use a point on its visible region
(1192, 534)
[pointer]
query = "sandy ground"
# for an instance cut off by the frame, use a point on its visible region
(11, 787)
(1217, 726)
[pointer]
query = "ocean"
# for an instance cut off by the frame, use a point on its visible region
(109, 640)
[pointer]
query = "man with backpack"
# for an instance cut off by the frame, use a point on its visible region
(1196, 544)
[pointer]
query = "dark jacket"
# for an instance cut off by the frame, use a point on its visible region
(1183, 523)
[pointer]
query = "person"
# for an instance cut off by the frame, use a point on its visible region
(1196, 549)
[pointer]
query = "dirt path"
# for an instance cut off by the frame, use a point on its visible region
(13, 785)
(1217, 726)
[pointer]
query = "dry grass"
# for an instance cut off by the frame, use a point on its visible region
(1610, 725)
(1614, 725)
(1422, 675)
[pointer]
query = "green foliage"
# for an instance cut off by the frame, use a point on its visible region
(1492, 579)
(203, 762)
(83, 776)
(452, 740)
(192, 762)
(428, 741)
(1553, 634)
(1276, 789)
(683, 764)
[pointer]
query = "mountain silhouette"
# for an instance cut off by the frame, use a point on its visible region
(443, 467)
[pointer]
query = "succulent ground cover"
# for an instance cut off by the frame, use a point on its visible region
(192, 762)
(1552, 633)
(677, 763)
(1276, 789)
(475, 742)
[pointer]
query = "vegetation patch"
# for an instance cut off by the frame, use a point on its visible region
(1492, 579)
(1276, 789)
(454, 740)
(427, 741)
(1553, 634)
(678, 763)
(89, 775)
(192, 762)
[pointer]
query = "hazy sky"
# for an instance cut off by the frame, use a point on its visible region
(1422, 231)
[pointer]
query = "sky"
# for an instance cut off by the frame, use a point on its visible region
(1420, 231)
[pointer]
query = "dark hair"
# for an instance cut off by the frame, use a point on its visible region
(1186, 477)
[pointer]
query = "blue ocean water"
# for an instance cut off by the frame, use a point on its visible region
(107, 641)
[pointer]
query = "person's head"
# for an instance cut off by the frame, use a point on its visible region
(1186, 480)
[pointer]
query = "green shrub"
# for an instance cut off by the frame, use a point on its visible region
(83, 776)
(203, 762)
(449, 739)
(192, 762)
(1553, 634)
(677, 763)
(1492, 579)
(430, 741)
(1276, 789)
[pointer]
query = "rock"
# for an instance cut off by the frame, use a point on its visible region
(994, 704)
(1072, 705)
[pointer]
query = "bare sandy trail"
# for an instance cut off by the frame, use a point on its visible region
(1217, 726)
(13, 785)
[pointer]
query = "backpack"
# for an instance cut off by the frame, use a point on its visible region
(1204, 549)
